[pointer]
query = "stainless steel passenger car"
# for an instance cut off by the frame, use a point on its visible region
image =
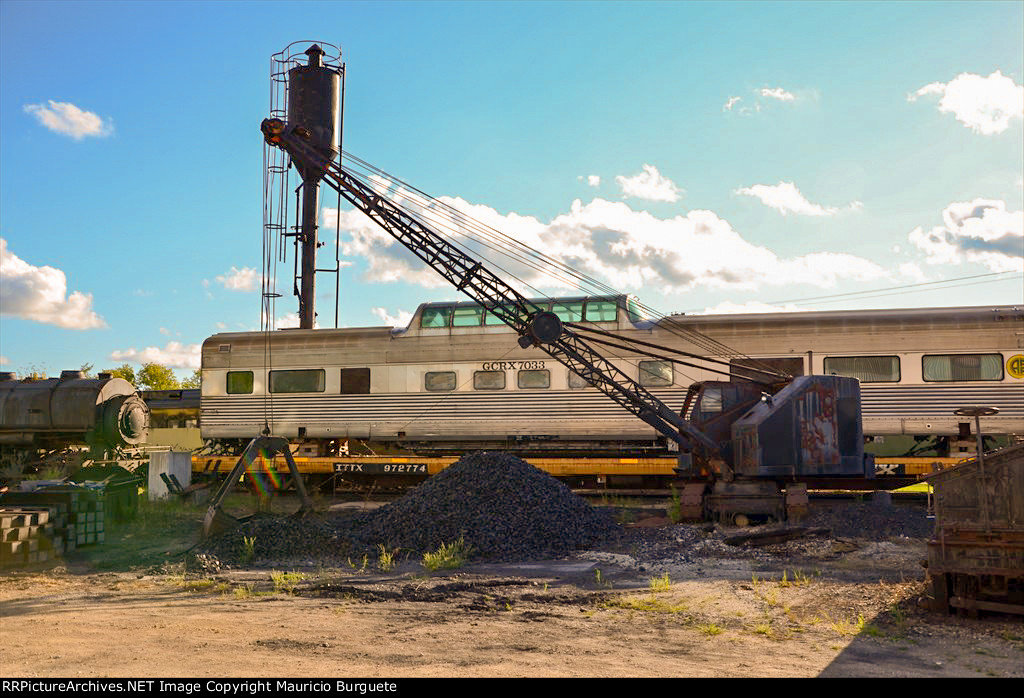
(456, 377)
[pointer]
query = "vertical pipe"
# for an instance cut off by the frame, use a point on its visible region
(307, 292)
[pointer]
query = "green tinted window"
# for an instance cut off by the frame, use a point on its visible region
(493, 319)
(436, 317)
(568, 312)
(601, 311)
(468, 317)
(239, 382)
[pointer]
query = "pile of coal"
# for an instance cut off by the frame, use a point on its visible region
(498, 504)
(269, 539)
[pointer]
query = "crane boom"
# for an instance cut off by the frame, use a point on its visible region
(535, 327)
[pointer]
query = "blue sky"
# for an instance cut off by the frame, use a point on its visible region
(705, 156)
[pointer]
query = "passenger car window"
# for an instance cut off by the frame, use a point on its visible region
(962, 367)
(602, 311)
(568, 312)
(867, 369)
(355, 381)
(489, 380)
(436, 317)
(468, 317)
(655, 373)
(534, 379)
(577, 381)
(311, 380)
(439, 381)
(239, 382)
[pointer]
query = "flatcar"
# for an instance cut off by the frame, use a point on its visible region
(455, 378)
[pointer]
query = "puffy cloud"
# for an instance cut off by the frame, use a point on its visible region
(786, 198)
(912, 271)
(40, 294)
(67, 119)
(594, 180)
(981, 231)
(776, 93)
(649, 185)
(174, 355)
(626, 249)
(399, 319)
(733, 101)
(244, 279)
(985, 105)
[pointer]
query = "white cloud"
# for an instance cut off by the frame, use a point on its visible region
(290, 321)
(985, 105)
(593, 180)
(399, 319)
(244, 279)
(786, 198)
(40, 294)
(625, 248)
(67, 119)
(733, 101)
(4, 361)
(649, 185)
(776, 93)
(174, 355)
(221, 325)
(912, 271)
(980, 231)
(730, 308)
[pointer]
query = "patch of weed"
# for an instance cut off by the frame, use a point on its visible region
(449, 556)
(286, 582)
(662, 583)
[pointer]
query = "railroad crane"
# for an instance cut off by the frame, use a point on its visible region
(744, 441)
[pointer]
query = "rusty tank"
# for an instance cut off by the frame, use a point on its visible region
(104, 413)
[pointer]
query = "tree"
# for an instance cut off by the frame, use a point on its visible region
(126, 371)
(86, 370)
(154, 376)
(194, 381)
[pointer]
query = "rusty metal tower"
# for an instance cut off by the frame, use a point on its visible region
(307, 89)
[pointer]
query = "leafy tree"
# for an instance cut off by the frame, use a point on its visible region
(86, 370)
(194, 381)
(154, 376)
(126, 371)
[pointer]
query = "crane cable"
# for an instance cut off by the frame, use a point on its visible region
(426, 208)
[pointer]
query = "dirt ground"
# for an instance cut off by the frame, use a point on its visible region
(666, 602)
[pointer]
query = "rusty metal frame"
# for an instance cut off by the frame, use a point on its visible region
(216, 520)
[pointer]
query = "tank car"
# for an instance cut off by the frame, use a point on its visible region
(105, 413)
(455, 378)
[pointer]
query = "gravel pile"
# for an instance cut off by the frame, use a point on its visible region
(871, 521)
(500, 505)
(277, 539)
